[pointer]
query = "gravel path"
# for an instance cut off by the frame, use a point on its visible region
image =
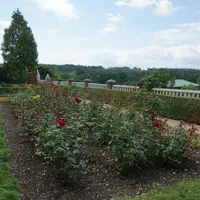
(36, 179)
(38, 182)
(172, 122)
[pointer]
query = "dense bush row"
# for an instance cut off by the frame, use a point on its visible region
(67, 130)
(180, 108)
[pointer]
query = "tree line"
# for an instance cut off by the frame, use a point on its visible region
(122, 75)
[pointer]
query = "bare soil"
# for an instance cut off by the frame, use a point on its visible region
(3, 98)
(39, 182)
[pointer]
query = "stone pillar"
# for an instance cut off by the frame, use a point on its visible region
(110, 83)
(86, 82)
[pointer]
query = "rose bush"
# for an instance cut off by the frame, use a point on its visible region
(64, 126)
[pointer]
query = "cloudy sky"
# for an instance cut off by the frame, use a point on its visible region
(142, 33)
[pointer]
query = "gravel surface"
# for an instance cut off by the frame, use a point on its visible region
(172, 122)
(38, 181)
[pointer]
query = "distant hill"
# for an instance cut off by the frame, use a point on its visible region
(122, 75)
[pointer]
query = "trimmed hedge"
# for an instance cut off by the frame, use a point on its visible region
(180, 108)
(10, 90)
(13, 85)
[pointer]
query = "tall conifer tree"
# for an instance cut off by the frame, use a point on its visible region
(19, 49)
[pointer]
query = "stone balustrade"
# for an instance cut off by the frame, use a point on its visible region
(162, 91)
(125, 88)
(177, 92)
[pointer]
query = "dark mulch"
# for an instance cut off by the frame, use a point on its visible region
(38, 181)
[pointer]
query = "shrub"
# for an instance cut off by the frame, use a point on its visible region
(61, 146)
(139, 144)
(64, 129)
(180, 108)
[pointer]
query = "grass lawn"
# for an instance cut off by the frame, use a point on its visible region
(8, 187)
(189, 190)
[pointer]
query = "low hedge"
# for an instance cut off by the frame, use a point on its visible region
(180, 108)
(10, 90)
(13, 85)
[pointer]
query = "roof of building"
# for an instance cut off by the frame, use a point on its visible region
(182, 82)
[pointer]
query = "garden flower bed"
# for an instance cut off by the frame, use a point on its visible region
(92, 146)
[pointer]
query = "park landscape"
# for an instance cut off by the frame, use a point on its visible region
(80, 143)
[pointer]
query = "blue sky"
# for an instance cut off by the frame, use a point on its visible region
(142, 33)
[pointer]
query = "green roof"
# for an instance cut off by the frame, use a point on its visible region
(182, 82)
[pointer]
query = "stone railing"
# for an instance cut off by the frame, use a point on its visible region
(91, 85)
(178, 93)
(171, 92)
(115, 87)
(101, 86)
(125, 88)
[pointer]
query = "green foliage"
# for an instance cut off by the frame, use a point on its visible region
(19, 50)
(3, 78)
(138, 144)
(9, 189)
(10, 90)
(122, 75)
(180, 108)
(129, 139)
(155, 80)
(172, 81)
(188, 190)
(198, 80)
(44, 70)
(62, 147)
(190, 87)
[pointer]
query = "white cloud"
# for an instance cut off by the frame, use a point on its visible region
(53, 31)
(164, 8)
(161, 7)
(61, 8)
(111, 25)
(114, 18)
(150, 56)
(109, 28)
(181, 33)
(3, 24)
(180, 51)
(193, 25)
(136, 3)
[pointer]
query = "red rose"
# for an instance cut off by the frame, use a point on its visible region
(78, 100)
(60, 122)
(156, 124)
(65, 95)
